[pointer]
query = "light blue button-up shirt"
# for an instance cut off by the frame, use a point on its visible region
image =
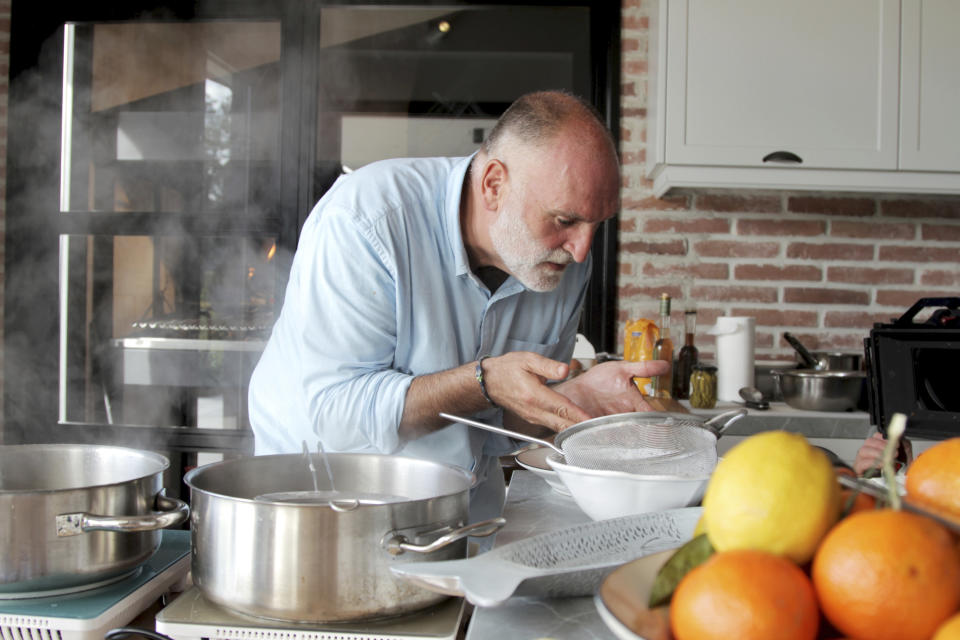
(381, 291)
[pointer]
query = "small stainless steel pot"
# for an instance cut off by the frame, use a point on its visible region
(317, 562)
(76, 515)
(816, 390)
(836, 361)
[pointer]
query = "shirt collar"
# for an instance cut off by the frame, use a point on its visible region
(454, 194)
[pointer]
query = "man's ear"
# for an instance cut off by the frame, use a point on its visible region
(493, 183)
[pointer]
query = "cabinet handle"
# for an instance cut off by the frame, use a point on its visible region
(783, 156)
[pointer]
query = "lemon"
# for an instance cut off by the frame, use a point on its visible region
(699, 528)
(772, 492)
(949, 630)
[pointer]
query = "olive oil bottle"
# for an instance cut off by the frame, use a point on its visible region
(663, 350)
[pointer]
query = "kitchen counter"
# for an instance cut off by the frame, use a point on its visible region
(813, 424)
(842, 432)
(532, 508)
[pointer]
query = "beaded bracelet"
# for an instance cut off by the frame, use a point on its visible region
(483, 386)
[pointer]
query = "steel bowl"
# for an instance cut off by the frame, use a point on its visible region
(816, 390)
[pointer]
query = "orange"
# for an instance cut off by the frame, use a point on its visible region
(933, 479)
(744, 594)
(887, 574)
(852, 501)
(949, 630)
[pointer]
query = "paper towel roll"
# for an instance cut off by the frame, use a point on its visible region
(735, 344)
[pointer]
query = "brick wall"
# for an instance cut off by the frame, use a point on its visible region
(822, 266)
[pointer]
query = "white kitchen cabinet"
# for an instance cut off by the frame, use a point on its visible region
(930, 86)
(803, 95)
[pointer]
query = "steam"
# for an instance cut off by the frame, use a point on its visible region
(231, 139)
(239, 280)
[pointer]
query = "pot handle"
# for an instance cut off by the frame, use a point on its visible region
(727, 418)
(396, 543)
(170, 512)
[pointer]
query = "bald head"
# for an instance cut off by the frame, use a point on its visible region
(544, 180)
(536, 118)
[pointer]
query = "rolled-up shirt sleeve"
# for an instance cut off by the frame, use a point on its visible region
(346, 324)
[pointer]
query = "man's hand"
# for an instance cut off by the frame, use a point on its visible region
(608, 387)
(517, 382)
(870, 453)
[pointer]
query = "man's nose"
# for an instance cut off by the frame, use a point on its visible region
(578, 244)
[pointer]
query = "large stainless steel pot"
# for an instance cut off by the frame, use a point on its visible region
(317, 562)
(76, 515)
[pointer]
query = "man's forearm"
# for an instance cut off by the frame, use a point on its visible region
(452, 391)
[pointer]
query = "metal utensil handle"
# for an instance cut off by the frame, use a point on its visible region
(808, 358)
(881, 494)
(502, 431)
(727, 418)
(396, 543)
(170, 512)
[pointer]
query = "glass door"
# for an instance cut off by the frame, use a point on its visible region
(165, 156)
(399, 80)
(168, 191)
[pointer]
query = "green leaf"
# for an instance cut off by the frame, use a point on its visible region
(690, 555)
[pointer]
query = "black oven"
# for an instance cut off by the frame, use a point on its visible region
(912, 368)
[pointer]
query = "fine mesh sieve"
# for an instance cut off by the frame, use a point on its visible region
(640, 443)
(644, 445)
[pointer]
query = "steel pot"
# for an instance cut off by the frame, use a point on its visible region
(319, 561)
(78, 515)
(816, 390)
(838, 361)
(833, 361)
(824, 360)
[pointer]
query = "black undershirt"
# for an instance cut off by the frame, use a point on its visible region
(492, 277)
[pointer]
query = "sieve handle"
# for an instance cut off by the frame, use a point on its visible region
(720, 422)
(502, 431)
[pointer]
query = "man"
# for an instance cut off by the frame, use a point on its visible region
(448, 284)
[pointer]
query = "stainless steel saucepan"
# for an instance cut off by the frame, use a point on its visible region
(77, 515)
(323, 560)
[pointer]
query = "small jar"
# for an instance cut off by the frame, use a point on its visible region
(703, 386)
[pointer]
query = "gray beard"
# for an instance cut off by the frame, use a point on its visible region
(523, 256)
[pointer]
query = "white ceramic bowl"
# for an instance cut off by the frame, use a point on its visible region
(534, 459)
(611, 494)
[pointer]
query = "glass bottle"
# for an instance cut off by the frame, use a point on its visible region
(687, 357)
(663, 350)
